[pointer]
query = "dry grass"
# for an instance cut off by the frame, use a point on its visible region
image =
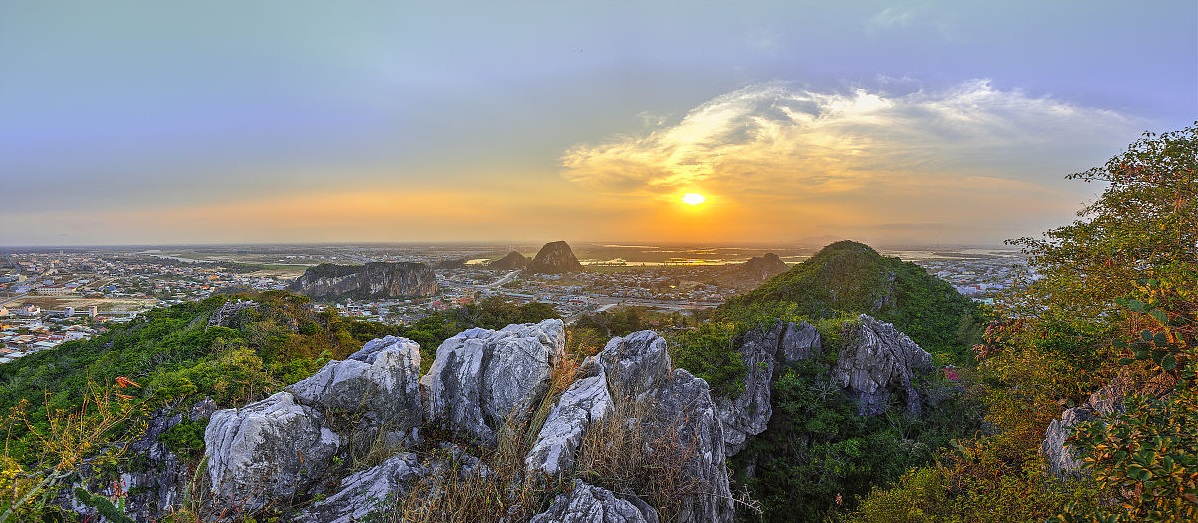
(459, 493)
(634, 451)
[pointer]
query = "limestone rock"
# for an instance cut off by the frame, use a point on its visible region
(480, 377)
(364, 493)
(764, 352)
(1062, 459)
(590, 504)
(554, 258)
(585, 402)
(877, 360)
(682, 416)
(267, 450)
(799, 342)
(380, 383)
(687, 413)
(373, 280)
(635, 363)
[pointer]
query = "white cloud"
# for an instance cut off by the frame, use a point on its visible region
(775, 143)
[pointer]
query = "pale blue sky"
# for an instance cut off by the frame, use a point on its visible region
(222, 121)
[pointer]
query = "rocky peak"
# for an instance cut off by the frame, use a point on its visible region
(554, 258)
(878, 360)
(764, 267)
(513, 260)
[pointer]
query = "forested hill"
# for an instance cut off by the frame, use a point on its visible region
(848, 278)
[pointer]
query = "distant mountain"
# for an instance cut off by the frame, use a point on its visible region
(763, 267)
(849, 278)
(373, 280)
(513, 260)
(554, 258)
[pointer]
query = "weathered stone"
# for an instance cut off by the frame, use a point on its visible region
(380, 383)
(748, 413)
(635, 363)
(1063, 460)
(877, 359)
(585, 402)
(687, 415)
(799, 342)
(481, 377)
(590, 504)
(764, 352)
(681, 418)
(368, 492)
(269, 449)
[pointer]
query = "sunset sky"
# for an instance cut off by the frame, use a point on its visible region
(150, 122)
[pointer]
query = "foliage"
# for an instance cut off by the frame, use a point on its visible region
(91, 434)
(709, 352)
(818, 455)
(1114, 300)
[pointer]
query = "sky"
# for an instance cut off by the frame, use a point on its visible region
(170, 122)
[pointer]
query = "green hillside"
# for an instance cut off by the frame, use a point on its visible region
(848, 278)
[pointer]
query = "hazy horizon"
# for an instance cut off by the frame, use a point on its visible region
(142, 123)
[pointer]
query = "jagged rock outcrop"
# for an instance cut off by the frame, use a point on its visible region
(270, 449)
(590, 504)
(368, 492)
(480, 377)
(763, 268)
(1062, 459)
(585, 402)
(635, 363)
(225, 313)
(878, 360)
(513, 260)
(373, 280)
(378, 385)
(682, 418)
(684, 406)
(554, 258)
(764, 352)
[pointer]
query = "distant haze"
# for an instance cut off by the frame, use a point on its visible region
(149, 122)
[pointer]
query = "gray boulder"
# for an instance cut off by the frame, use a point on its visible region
(681, 419)
(379, 383)
(270, 449)
(585, 402)
(590, 504)
(1063, 460)
(635, 363)
(366, 493)
(687, 415)
(877, 360)
(481, 377)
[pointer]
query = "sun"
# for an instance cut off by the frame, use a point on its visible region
(691, 198)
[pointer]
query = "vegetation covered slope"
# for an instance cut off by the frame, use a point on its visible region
(1117, 303)
(850, 278)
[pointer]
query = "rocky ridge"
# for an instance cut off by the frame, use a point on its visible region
(372, 280)
(285, 446)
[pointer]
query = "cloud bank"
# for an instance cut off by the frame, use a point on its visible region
(973, 149)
